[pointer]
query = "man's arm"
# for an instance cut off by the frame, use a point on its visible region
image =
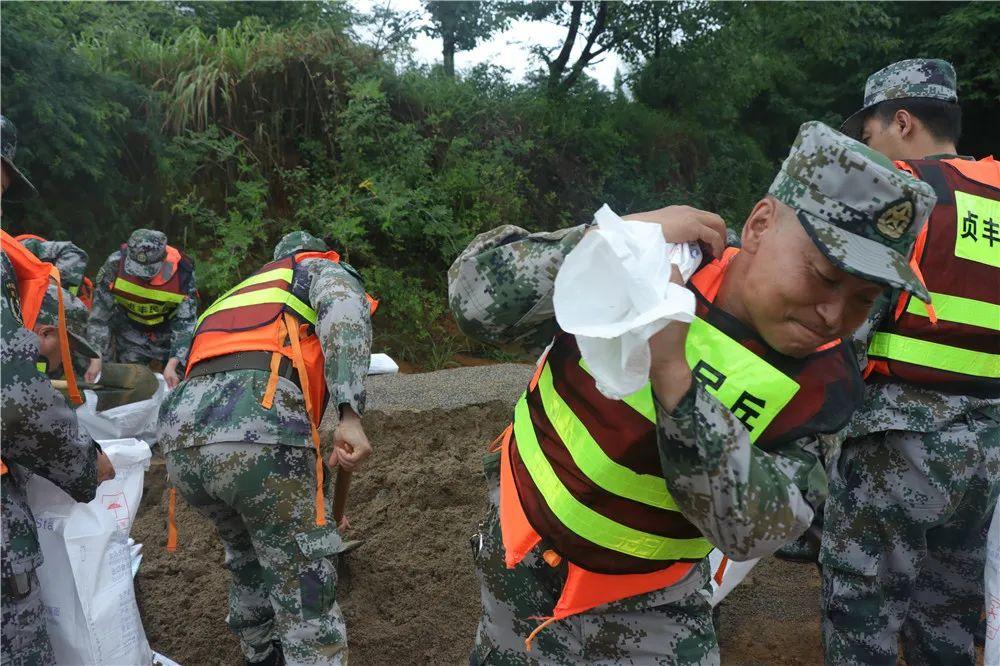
(344, 328)
(39, 429)
(746, 501)
(99, 322)
(68, 257)
(500, 287)
(183, 322)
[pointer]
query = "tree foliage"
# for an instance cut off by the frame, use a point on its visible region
(228, 125)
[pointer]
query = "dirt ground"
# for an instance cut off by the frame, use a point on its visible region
(408, 593)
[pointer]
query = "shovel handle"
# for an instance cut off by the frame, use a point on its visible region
(340, 494)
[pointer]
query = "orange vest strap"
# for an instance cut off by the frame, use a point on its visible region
(172, 521)
(335, 257)
(519, 537)
(23, 237)
(293, 335)
(3, 468)
(170, 261)
(986, 170)
(708, 279)
(585, 589)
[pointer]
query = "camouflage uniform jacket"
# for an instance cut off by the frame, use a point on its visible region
(68, 257)
(745, 501)
(225, 407)
(39, 434)
(108, 319)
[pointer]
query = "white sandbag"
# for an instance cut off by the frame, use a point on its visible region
(727, 574)
(992, 651)
(86, 579)
(137, 419)
(382, 364)
(613, 292)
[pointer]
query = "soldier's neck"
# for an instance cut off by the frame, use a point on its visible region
(926, 147)
(730, 297)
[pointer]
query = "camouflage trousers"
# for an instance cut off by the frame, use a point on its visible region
(25, 638)
(284, 578)
(672, 626)
(904, 543)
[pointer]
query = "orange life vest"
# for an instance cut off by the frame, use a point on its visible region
(33, 279)
(958, 254)
(151, 302)
(580, 474)
(85, 291)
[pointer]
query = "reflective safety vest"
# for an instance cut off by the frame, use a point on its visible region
(266, 312)
(580, 474)
(33, 279)
(151, 302)
(958, 254)
(84, 291)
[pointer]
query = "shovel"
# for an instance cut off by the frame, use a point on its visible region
(340, 506)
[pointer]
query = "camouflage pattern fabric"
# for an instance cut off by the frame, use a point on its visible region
(225, 407)
(500, 291)
(144, 252)
(670, 626)
(122, 340)
(904, 542)
(917, 77)
(283, 567)
(40, 434)
(69, 258)
(861, 211)
(298, 241)
(25, 638)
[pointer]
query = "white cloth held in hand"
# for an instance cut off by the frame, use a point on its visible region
(613, 293)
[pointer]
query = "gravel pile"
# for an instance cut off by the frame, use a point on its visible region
(448, 389)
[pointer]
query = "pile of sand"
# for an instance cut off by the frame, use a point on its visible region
(409, 593)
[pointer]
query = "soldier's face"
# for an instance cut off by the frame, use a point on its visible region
(48, 344)
(886, 138)
(794, 297)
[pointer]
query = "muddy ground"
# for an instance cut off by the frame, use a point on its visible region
(409, 594)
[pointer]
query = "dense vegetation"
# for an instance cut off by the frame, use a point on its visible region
(229, 124)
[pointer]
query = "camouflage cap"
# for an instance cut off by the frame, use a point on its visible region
(20, 187)
(861, 211)
(298, 241)
(919, 77)
(76, 319)
(145, 253)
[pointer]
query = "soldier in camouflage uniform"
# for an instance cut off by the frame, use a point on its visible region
(40, 435)
(744, 500)
(47, 329)
(120, 338)
(251, 471)
(913, 488)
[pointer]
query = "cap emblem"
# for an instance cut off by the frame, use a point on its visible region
(895, 219)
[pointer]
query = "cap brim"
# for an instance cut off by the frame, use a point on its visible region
(79, 345)
(863, 257)
(146, 271)
(854, 124)
(20, 188)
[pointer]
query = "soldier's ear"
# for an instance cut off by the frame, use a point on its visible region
(904, 123)
(763, 217)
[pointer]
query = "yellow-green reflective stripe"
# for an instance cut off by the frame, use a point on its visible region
(583, 520)
(747, 385)
(959, 310)
(145, 311)
(42, 366)
(260, 297)
(935, 355)
(144, 292)
(74, 289)
(591, 458)
(284, 274)
(641, 401)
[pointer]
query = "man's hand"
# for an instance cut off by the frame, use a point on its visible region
(105, 470)
(684, 224)
(669, 370)
(350, 443)
(93, 371)
(170, 373)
